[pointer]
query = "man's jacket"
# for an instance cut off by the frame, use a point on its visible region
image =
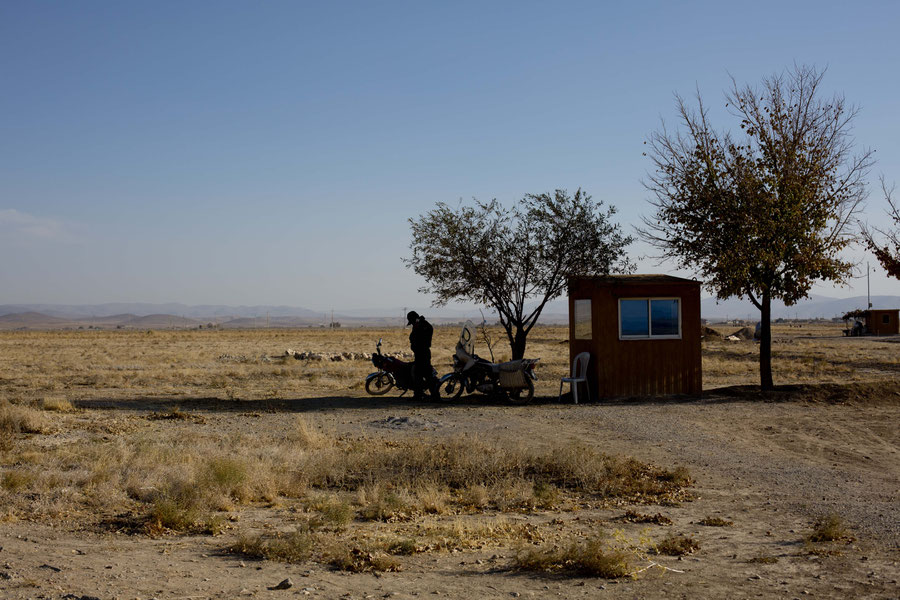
(420, 337)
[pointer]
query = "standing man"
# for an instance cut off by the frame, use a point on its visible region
(420, 344)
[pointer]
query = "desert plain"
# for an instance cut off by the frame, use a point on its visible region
(139, 464)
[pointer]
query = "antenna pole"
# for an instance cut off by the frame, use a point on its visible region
(868, 285)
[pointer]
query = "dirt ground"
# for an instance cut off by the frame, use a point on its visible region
(769, 464)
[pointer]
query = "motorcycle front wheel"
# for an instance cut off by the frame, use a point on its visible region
(522, 395)
(379, 383)
(451, 387)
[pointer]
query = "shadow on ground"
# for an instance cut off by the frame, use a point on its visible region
(830, 393)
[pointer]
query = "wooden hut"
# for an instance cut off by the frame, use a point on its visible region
(883, 321)
(642, 331)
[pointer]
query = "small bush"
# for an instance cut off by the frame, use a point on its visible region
(295, 547)
(334, 513)
(546, 495)
(764, 559)
(57, 405)
(17, 480)
(226, 474)
(636, 517)
(404, 547)
(829, 528)
(716, 522)
(21, 419)
(384, 506)
(591, 558)
(677, 545)
(173, 514)
(360, 560)
(474, 496)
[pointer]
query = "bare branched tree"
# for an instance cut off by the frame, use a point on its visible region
(517, 259)
(766, 214)
(884, 242)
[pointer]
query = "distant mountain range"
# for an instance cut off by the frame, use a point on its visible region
(164, 316)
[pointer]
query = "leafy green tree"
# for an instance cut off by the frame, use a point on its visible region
(515, 259)
(767, 213)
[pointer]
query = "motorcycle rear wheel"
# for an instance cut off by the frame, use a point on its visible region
(380, 384)
(451, 388)
(522, 395)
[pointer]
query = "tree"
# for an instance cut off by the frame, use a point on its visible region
(767, 215)
(885, 243)
(516, 259)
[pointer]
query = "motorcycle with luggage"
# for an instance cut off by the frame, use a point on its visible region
(513, 379)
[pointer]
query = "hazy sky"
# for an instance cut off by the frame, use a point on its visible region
(271, 153)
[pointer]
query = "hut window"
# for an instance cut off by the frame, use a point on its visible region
(886, 319)
(641, 318)
(582, 319)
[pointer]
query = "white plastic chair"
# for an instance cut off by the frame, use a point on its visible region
(579, 375)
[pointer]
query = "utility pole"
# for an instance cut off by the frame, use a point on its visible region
(868, 286)
(267, 319)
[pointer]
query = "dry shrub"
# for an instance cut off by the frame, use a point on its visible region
(546, 495)
(21, 419)
(295, 547)
(830, 528)
(334, 513)
(381, 504)
(506, 473)
(716, 522)
(307, 436)
(676, 545)
(636, 517)
(593, 558)
(17, 479)
(432, 499)
(57, 405)
(402, 546)
(357, 559)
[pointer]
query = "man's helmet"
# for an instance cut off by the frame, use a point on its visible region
(411, 317)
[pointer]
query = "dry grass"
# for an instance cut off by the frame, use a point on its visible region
(593, 557)
(715, 522)
(636, 517)
(829, 528)
(363, 499)
(20, 419)
(676, 545)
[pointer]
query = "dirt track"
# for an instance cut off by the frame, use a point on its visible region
(770, 467)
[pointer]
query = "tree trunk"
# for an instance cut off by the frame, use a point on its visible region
(518, 344)
(765, 343)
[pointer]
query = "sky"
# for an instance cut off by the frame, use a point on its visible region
(272, 152)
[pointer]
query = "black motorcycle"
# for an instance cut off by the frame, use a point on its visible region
(392, 372)
(471, 373)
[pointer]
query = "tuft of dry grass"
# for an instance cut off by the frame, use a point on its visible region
(359, 559)
(636, 517)
(829, 528)
(56, 404)
(20, 419)
(593, 558)
(676, 545)
(295, 547)
(715, 522)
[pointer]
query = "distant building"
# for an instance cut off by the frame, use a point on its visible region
(883, 321)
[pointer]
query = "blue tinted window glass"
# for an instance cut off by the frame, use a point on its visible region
(634, 317)
(664, 317)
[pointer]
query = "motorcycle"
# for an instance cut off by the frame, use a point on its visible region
(514, 379)
(392, 372)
